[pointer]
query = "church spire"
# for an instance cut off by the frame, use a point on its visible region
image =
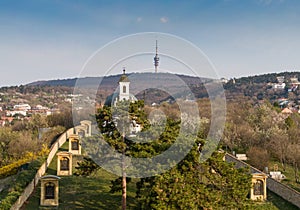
(156, 58)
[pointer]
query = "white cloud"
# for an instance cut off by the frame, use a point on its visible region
(164, 20)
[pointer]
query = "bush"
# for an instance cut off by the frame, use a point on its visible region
(21, 182)
(13, 168)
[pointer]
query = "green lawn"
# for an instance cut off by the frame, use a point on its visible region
(289, 173)
(279, 202)
(84, 192)
(93, 192)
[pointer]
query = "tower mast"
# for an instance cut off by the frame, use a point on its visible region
(156, 58)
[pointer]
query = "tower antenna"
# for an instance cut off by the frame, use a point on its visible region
(156, 58)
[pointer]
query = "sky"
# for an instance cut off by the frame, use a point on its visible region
(53, 39)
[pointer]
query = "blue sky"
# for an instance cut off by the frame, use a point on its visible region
(52, 39)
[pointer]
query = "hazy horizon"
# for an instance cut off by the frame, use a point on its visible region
(118, 74)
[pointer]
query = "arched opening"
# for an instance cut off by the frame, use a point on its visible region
(124, 88)
(64, 164)
(258, 188)
(75, 144)
(81, 133)
(49, 190)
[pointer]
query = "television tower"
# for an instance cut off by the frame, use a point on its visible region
(156, 59)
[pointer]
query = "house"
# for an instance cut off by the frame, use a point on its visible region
(6, 120)
(277, 175)
(286, 111)
(23, 107)
(16, 112)
(280, 85)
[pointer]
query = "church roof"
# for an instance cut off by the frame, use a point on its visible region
(124, 78)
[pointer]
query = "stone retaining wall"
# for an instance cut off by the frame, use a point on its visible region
(42, 170)
(286, 192)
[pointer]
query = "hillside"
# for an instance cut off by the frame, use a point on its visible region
(256, 87)
(108, 80)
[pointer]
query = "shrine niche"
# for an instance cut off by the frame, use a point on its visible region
(259, 187)
(74, 144)
(64, 163)
(80, 131)
(49, 190)
(88, 125)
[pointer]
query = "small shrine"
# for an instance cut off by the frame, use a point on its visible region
(259, 187)
(81, 131)
(49, 190)
(74, 144)
(64, 164)
(88, 125)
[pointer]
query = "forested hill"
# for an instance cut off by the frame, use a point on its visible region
(257, 87)
(262, 86)
(113, 79)
(268, 78)
(190, 80)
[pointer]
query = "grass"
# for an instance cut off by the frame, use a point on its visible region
(93, 192)
(14, 187)
(289, 173)
(279, 202)
(84, 192)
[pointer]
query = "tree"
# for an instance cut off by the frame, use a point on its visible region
(191, 185)
(64, 119)
(113, 124)
(278, 146)
(86, 167)
(258, 157)
(294, 159)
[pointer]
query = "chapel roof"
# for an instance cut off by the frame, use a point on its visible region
(124, 77)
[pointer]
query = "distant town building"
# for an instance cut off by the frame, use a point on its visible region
(280, 83)
(23, 107)
(294, 81)
(286, 111)
(16, 112)
(224, 80)
(280, 79)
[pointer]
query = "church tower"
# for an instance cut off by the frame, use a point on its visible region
(156, 58)
(124, 87)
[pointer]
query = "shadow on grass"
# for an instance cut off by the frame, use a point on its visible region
(86, 193)
(279, 202)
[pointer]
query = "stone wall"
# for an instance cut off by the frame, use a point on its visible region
(280, 189)
(284, 191)
(42, 170)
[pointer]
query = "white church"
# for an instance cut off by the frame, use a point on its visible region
(123, 94)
